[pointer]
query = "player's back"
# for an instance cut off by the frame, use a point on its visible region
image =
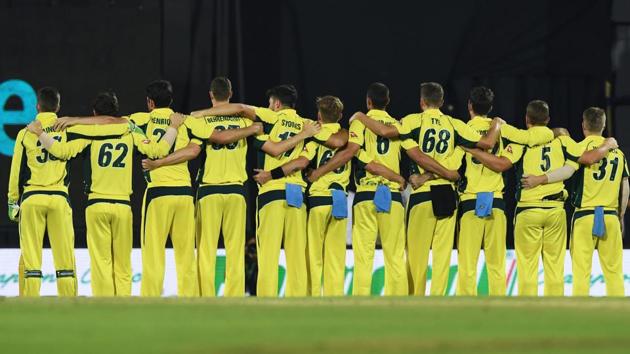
(224, 164)
(39, 169)
(376, 148)
(155, 125)
(336, 179)
(108, 166)
(539, 160)
(599, 184)
(438, 135)
(477, 177)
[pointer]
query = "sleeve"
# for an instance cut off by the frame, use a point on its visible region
(103, 131)
(310, 150)
(196, 129)
(260, 140)
(625, 168)
(266, 115)
(454, 162)
(526, 137)
(151, 148)
(409, 133)
(465, 135)
(16, 167)
(323, 135)
(357, 130)
(571, 150)
(69, 149)
(513, 152)
(364, 157)
(140, 119)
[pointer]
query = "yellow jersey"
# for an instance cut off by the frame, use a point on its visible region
(319, 155)
(221, 164)
(539, 160)
(35, 168)
(154, 124)
(599, 184)
(378, 149)
(278, 126)
(108, 162)
(479, 178)
(438, 135)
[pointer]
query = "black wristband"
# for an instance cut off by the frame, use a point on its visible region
(277, 173)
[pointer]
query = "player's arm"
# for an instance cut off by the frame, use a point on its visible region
(337, 140)
(65, 122)
(339, 159)
(378, 128)
(13, 195)
(261, 177)
(278, 148)
(493, 162)
(429, 164)
(526, 136)
(229, 109)
(623, 204)
(62, 151)
(229, 136)
(558, 175)
(594, 156)
(376, 168)
(190, 152)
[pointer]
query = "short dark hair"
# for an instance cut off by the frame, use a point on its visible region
(481, 99)
(538, 112)
(160, 92)
(432, 93)
(221, 88)
(48, 99)
(106, 103)
(330, 108)
(595, 119)
(286, 94)
(378, 93)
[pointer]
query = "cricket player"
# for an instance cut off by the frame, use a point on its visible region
(482, 208)
(168, 205)
(281, 211)
(221, 195)
(600, 197)
(108, 166)
(38, 199)
(378, 208)
(540, 221)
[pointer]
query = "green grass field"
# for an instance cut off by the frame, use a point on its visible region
(348, 325)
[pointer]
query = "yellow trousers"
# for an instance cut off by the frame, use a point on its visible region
(168, 210)
(367, 225)
(475, 233)
(221, 209)
(425, 234)
(109, 239)
(540, 232)
(277, 222)
(326, 248)
(43, 211)
(609, 249)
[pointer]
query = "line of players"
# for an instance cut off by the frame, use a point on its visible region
(314, 237)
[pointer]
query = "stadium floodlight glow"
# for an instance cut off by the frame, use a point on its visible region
(26, 93)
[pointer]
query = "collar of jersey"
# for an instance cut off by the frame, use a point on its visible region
(480, 118)
(162, 110)
(595, 138)
(46, 117)
(433, 111)
(377, 113)
(331, 126)
(288, 110)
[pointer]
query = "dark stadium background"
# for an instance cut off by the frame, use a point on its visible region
(563, 52)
